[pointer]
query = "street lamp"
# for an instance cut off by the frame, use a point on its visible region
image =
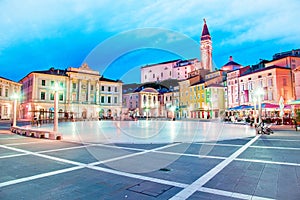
(56, 89)
(259, 92)
(255, 113)
(15, 97)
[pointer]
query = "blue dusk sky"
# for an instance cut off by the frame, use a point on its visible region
(118, 37)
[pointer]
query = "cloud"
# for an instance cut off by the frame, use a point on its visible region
(242, 20)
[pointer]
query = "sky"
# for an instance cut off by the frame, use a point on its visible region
(116, 38)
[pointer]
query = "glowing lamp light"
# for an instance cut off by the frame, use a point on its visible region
(15, 97)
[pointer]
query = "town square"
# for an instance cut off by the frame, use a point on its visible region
(149, 100)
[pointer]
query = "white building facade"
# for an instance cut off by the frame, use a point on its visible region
(83, 94)
(9, 90)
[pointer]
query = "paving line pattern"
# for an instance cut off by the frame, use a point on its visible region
(187, 192)
(188, 189)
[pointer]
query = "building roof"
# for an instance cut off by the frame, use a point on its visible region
(158, 87)
(166, 62)
(177, 61)
(205, 33)
(52, 71)
(215, 85)
(102, 78)
(264, 69)
(231, 62)
(279, 58)
(199, 82)
(8, 80)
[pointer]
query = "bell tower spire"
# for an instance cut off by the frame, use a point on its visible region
(206, 48)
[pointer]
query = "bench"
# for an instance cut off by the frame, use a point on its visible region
(36, 133)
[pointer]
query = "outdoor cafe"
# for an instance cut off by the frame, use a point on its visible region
(270, 113)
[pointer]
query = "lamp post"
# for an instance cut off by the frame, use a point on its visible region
(255, 114)
(15, 98)
(56, 89)
(259, 93)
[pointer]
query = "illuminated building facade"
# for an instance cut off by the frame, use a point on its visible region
(176, 69)
(179, 69)
(275, 81)
(8, 89)
(206, 48)
(296, 72)
(83, 94)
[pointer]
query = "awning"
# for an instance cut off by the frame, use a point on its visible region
(241, 107)
(269, 105)
(294, 102)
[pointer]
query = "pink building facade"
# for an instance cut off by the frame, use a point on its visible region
(274, 81)
(296, 72)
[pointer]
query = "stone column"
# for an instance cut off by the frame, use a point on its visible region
(79, 91)
(88, 91)
(97, 93)
(69, 97)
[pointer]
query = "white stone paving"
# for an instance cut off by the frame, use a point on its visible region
(147, 131)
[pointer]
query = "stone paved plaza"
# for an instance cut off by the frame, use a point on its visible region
(252, 167)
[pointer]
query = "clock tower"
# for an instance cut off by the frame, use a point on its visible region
(206, 48)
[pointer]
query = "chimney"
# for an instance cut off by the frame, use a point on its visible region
(230, 58)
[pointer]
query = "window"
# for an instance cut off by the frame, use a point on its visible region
(115, 99)
(61, 84)
(145, 76)
(108, 99)
(74, 97)
(61, 97)
(270, 82)
(109, 88)
(153, 75)
(162, 74)
(92, 87)
(74, 85)
(0, 91)
(284, 82)
(43, 96)
(102, 88)
(43, 82)
(270, 95)
(116, 89)
(102, 99)
(52, 83)
(52, 96)
(6, 92)
(170, 73)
